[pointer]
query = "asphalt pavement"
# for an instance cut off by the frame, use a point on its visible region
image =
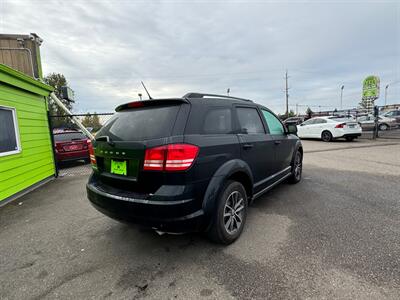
(335, 235)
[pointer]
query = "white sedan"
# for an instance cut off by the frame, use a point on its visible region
(329, 128)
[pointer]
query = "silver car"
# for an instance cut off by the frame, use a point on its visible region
(384, 123)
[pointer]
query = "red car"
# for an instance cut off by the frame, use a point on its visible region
(71, 145)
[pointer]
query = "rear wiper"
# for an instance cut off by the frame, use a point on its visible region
(105, 138)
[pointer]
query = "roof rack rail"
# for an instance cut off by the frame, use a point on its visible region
(202, 95)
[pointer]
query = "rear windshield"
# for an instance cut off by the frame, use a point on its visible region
(69, 136)
(141, 123)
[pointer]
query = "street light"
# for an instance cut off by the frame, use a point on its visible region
(386, 87)
(341, 97)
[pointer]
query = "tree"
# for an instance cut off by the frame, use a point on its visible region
(57, 81)
(309, 113)
(291, 113)
(92, 121)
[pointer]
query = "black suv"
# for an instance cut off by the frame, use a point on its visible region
(190, 164)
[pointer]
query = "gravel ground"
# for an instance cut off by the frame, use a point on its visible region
(334, 235)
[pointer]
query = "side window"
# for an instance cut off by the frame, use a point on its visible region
(319, 121)
(274, 125)
(9, 139)
(308, 122)
(218, 121)
(249, 120)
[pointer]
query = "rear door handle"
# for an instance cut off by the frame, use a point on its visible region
(248, 146)
(277, 142)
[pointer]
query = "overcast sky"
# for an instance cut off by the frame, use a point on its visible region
(104, 48)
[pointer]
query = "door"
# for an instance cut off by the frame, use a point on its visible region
(317, 127)
(284, 143)
(257, 147)
(367, 122)
(304, 129)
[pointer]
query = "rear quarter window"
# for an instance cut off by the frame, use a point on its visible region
(141, 123)
(218, 121)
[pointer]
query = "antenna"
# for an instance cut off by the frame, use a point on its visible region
(146, 91)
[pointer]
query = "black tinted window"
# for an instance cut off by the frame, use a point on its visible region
(217, 121)
(69, 136)
(8, 138)
(141, 123)
(250, 121)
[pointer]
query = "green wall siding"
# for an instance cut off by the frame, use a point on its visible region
(35, 162)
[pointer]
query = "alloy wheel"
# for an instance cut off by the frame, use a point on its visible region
(233, 212)
(297, 166)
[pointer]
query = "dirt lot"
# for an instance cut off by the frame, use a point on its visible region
(334, 235)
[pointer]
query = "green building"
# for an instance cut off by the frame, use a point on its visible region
(26, 152)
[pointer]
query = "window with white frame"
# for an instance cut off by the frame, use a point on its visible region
(9, 134)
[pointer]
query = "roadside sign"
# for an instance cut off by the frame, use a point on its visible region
(371, 88)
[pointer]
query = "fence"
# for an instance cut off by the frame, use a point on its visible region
(67, 165)
(388, 127)
(70, 145)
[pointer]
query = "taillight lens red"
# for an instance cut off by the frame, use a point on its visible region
(91, 153)
(340, 125)
(154, 158)
(180, 156)
(174, 157)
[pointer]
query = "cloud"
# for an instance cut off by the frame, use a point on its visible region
(105, 48)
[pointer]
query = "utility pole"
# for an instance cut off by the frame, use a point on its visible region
(297, 109)
(341, 97)
(287, 93)
(228, 91)
(386, 87)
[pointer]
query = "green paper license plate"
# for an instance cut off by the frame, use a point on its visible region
(118, 167)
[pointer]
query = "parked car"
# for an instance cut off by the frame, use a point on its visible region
(70, 145)
(395, 114)
(191, 164)
(384, 123)
(329, 128)
(392, 113)
(293, 121)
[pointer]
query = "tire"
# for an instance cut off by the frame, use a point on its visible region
(349, 138)
(326, 136)
(297, 168)
(223, 229)
(383, 127)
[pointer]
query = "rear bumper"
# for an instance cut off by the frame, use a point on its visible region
(73, 155)
(170, 215)
(354, 135)
(341, 133)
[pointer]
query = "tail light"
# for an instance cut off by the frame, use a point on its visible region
(91, 153)
(341, 125)
(174, 157)
(59, 148)
(154, 158)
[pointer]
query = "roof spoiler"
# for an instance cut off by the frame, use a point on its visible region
(147, 103)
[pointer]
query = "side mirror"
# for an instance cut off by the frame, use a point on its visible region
(292, 129)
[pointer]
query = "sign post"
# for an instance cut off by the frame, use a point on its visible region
(370, 93)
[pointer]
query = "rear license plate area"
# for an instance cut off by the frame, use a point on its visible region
(72, 147)
(126, 168)
(119, 167)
